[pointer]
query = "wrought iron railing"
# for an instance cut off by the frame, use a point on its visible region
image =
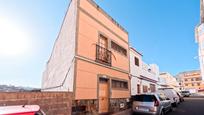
(103, 55)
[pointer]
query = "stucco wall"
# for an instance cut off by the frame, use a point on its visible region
(150, 71)
(59, 71)
(93, 22)
(135, 70)
(87, 81)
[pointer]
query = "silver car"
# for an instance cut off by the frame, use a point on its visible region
(151, 104)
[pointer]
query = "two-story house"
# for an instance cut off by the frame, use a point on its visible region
(144, 77)
(91, 59)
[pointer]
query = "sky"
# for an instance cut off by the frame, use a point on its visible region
(162, 30)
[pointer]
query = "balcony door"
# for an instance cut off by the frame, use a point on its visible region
(103, 41)
(103, 55)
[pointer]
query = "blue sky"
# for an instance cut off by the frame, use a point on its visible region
(162, 30)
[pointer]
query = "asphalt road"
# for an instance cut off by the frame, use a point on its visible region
(191, 106)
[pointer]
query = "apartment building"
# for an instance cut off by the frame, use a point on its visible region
(190, 80)
(91, 59)
(144, 77)
(168, 80)
(199, 36)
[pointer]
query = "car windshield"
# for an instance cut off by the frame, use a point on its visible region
(185, 92)
(144, 98)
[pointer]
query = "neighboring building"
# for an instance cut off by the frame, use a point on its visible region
(190, 80)
(199, 35)
(168, 80)
(91, 59)
(144, 77)
(162, 83)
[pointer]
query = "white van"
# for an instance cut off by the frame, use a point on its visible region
(171, 94)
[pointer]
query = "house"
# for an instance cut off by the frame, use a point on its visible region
(90, 58)
(144, 77)
(168, 80)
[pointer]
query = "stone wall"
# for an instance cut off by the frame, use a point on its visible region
(90, 107)
(52, 103)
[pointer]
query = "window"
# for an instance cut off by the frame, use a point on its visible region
(152, 88)
(192, 79)
(119, 84)
(144, 98)
(179, 83)
(198, 84)
(136, 61)
(198, 79)
(186, 84)
(118, 48)
(186, 79)
(192, 84)
(145, 89)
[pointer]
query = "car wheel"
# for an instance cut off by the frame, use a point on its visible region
(175, 104)
(171, 109)
(162, 112)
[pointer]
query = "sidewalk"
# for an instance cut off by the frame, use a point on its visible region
(126, 112)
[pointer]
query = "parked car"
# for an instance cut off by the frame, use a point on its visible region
(185, 93)
(171, 94)
(153, 103)
(180, 97)
(21, 110)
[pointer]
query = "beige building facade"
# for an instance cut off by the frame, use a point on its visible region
(168, 80)
(91, 59)
(191, 81)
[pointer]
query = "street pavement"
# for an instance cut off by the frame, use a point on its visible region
(192, 106)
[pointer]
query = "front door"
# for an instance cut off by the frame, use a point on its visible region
(103, 95)
(138, 89)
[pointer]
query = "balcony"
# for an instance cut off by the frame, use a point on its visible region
(103, 55)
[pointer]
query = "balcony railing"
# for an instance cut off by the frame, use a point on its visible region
(103, 55)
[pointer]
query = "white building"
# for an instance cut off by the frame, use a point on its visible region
(144, 77)
(168, 80)
(199, 34)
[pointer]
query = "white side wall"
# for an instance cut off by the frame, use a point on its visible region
(200, 40)
(60, 66)
(135, 71)
(147, 83)
(149, 71)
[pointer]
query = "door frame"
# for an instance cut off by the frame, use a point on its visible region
(100, 76)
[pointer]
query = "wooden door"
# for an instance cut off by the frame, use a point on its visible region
(138, 89)
(103, 96)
